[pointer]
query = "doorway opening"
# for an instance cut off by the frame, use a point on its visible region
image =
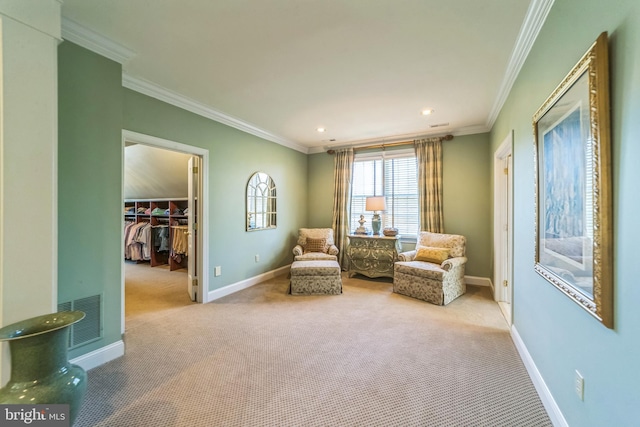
(164, 198)
(503, 227)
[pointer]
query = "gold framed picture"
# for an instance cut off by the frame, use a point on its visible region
(573, 185)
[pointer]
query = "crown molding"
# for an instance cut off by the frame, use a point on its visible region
(158, 92)
(471, 130)
(95, 42)
(531, 26)
(89, 39)
(467, 130)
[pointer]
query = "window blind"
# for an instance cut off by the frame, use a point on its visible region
(393, 175)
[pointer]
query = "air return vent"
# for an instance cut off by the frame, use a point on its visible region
(439, 125)
(90, 328)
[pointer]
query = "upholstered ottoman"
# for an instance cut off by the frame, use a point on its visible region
(317, 277)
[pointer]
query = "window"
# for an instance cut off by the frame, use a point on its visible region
(393, 175)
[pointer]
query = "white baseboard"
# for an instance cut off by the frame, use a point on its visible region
(543, 391)
(100, 356)
(244, 284)
(477, 281)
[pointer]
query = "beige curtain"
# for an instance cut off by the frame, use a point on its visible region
(342, 201)
(429, 157)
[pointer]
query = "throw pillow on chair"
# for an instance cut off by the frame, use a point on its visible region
(431, 254)
(315, 245)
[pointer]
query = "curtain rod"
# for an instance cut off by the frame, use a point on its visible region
(392, 144)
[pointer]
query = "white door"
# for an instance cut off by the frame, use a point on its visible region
(193, 282)
(503, 227)
(506, 232)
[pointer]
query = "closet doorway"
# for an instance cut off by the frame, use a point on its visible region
(165, 228)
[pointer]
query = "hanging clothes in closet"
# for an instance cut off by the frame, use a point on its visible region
(160, 237)
(137, 241)
(180, 242)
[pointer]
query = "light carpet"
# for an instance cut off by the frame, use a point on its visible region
(368, 357)
(152, 291)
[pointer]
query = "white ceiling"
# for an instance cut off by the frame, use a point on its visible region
(363, 69)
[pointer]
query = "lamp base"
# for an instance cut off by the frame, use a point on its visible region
(375, 224)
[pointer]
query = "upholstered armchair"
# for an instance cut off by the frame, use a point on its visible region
(315, 244)
(434, 271)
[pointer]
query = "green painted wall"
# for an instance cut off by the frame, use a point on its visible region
(560, 336)
(89, 189)
(466, 193)
(234, 156)
(320, 196)
(93, 110)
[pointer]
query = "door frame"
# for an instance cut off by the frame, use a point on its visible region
(203, 221)
(503, 216)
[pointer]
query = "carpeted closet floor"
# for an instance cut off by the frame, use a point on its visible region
(152, 291)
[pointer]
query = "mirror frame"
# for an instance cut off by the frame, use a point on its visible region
(261, 202)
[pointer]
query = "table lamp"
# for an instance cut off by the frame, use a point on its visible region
(375, 204)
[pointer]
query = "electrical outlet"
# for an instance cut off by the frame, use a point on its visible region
(217, 271)
(579, 385)
(257, 258)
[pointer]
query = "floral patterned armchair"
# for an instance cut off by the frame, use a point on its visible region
(315, 244)
(434, 271)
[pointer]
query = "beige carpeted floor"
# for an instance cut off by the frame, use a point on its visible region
(152, 291)
(368, 357)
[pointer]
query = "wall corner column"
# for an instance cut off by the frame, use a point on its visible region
(29, 37)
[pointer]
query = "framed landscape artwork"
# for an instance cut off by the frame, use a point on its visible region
(573, 186)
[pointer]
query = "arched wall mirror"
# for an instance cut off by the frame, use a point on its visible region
(261, 202)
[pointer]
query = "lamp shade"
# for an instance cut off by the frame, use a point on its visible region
(375, 203)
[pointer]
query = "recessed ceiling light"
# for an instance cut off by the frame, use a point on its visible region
(427, 111)
(321, 130)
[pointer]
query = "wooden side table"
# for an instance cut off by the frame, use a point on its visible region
(372, 256)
